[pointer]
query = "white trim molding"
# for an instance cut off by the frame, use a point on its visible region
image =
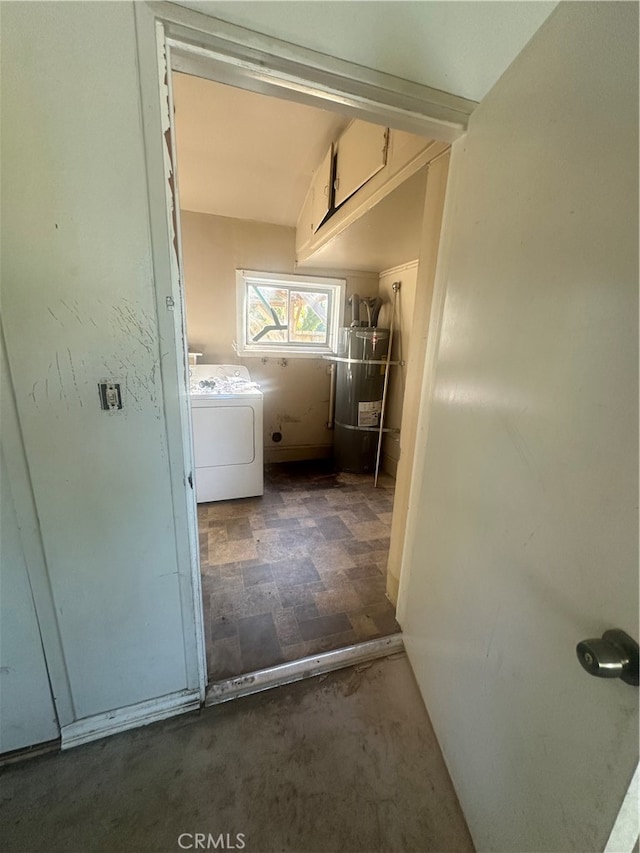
(131, 717)
(155, 104)
(409, 265)
(217, 50)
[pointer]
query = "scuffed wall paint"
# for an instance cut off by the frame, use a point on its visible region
(66, 379)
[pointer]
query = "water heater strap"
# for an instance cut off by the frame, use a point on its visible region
(364, 428)
(360, 360)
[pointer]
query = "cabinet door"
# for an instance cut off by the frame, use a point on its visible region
(321, 188)
(362, 152)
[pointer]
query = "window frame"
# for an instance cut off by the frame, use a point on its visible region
(245, 278)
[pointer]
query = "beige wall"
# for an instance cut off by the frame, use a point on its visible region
(296, 394)
(421, 333)
(213, 248)
(524, 538)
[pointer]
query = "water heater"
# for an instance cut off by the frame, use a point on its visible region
(360, 366)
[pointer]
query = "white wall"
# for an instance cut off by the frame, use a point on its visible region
(78, 306)
(525, 536)
(460, 47)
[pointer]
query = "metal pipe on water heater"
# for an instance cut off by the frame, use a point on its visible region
(395, 287)
(332, 396)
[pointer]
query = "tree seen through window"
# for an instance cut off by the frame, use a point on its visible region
(287, 315)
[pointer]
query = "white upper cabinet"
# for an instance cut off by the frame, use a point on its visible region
(370, 163)
(321, 191)
(362, 152)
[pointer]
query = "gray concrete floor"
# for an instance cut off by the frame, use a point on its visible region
(344, 762)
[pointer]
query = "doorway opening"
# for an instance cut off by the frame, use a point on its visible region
(278, 195)
(294, 565)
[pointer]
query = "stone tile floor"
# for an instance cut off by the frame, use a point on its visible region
(297, 571)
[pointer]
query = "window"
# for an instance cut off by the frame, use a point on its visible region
(288, 314)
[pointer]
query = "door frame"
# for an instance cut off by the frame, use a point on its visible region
(170, 38)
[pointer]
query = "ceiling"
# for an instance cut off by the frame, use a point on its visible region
(260, 169)
(245, 155)
(459, 47)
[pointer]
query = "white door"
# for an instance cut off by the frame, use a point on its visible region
(362, 153)
(321, 189)
(524, 539)
(27, 714)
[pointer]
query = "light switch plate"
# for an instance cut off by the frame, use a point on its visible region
(110, 396)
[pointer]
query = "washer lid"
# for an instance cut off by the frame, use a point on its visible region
(213, 381)
(219, 371)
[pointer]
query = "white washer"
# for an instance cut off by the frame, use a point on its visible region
(226, 413)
